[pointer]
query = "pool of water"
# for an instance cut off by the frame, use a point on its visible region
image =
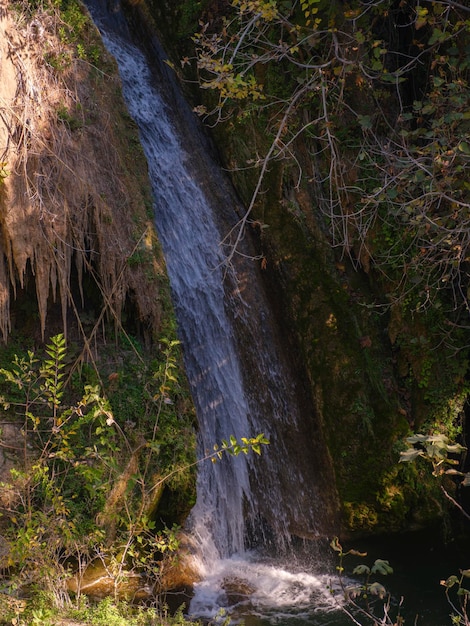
(420, 561)
(266, 593)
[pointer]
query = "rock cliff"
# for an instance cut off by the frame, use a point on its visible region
(77, 235)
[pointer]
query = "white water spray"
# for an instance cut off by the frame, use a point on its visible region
(264, 590)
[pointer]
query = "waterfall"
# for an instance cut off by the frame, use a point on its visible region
(241, 380)
(189, 239)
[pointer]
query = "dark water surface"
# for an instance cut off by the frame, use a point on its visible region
(420, 567)
(420, 560)
(299, 596)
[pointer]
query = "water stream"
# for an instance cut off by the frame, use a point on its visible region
(248, 509)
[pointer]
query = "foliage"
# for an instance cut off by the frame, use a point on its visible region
(70, 475)
(383, 116)
(438, 450)
(233, 447)
(73, 29)
(367, 600)
(362, 598)
(87, 487)
(441, 453)
(353, 117)
(106, 612)
(435, 448)
(460, 615)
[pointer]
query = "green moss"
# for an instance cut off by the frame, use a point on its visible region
(344, 343)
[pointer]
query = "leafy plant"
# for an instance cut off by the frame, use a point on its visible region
(438, 450)
(441, 454)
(460, 617)
(361, 597)
(85, 489)
(234, 447)
(70, 120)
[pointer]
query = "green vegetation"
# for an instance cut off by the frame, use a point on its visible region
(346, 125)
(97, 433)
(90, 472)
(90, 475)
(445, 457)
(343, 124)
(360, 102)
(106, 612)
(71, 120)
(75, 33)
(366, 602)
(362, 598)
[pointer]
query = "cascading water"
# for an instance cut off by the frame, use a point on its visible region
(241, 382)
(189, 239)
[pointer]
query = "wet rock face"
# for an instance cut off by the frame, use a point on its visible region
(237, 590)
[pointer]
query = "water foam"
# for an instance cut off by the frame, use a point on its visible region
(244, 585)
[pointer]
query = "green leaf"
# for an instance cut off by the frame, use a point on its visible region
(455, 448)
(437, 36)
(381, 567)
(360, 38)
(377, 590)
(428, 109)
(365, 121)
(417, 438)
(464, 147)
(463, 592)
(392, 78)
(352, 591)
(438, 439)
(410, 455)
(360, 570)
